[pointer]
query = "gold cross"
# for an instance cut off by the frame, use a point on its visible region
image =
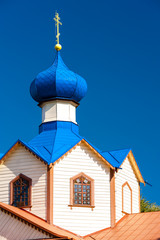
(57, 23)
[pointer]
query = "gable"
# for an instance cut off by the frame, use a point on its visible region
(135, 168)
(94, 151)
(59, 144)
(127, 170)
(21, 161)
(25, 146)
(117, 158)
(126, 177)
(81, 159)
(84, 151)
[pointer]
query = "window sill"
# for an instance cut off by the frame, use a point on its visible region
(125, 213)
(86, 206)
(26, 207)
(29, 206)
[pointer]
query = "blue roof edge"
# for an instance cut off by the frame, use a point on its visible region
(27, 146)
(52, 160)
(90, 145)
(112, 154)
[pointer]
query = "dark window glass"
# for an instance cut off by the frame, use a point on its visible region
(21, 193)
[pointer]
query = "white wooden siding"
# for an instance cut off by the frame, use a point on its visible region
(13, 229)
(22, 161)
(126, 174)
(81, 220)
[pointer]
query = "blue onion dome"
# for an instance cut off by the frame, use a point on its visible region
(58, 82)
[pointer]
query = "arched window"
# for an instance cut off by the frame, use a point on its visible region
(20, 191)
(82, 191)
(126, 198)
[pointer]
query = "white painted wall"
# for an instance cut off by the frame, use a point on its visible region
(22, 161)
(81, 220)
(123, 175)
(58, 110)
(13, 229)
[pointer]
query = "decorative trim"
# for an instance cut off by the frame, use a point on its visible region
(30, 190)
(50, 194)
(89, 206)
(73, 102)
(72, 189)
(92, 148)
(134, 167)
(126, 183)
(112, 197)
(14, 147)
(97, 153)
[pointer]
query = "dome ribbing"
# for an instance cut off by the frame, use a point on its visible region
(58, 82)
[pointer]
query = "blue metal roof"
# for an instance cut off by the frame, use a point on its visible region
(116, 157)
(58, 81)
(57, 138)
(35, 151)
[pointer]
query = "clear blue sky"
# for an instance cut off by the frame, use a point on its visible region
(114, 45)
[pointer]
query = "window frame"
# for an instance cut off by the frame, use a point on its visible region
(30, 190)
(72, 204)
(129, 187)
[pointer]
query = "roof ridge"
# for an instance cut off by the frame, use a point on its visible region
(113, 157)
(53, 146)
(117, 150)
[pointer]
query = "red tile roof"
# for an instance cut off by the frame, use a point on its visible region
(38, 222)
(139, 226)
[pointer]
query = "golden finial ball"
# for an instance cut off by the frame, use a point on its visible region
(58, 47)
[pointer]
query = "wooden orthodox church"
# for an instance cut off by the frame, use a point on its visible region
(60, 186)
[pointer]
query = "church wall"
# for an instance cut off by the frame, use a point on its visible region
(13, 229)
(22, 161)
(81, 220)
(123, 175)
